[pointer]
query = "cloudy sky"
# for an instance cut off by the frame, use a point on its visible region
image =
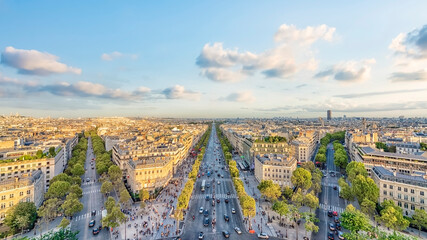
(213, 58)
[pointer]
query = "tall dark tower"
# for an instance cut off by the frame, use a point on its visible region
(329, 115)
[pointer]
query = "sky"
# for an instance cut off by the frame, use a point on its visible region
(213, 58)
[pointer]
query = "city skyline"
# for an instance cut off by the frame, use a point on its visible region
(237, 59)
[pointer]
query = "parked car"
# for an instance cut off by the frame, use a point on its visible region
(238, 231)
(338, 226)
(226, 234)
(330, 235)
(335, 213)
(92, 223)
(340, 235)
(331, 227)
(263, 236)
(336, 219)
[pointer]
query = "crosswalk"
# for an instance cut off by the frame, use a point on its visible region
(84, 216)
(87, 183)
(220, 196)
(332, 208)
(91, 191)
(330, 185)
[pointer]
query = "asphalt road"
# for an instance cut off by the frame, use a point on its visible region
(329, 198)
(92, 200)
(214, 162)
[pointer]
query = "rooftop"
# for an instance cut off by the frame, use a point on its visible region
(385, 174)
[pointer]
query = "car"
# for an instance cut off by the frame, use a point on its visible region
(219, 175)
(206, 222)
(336, 219)
(87, 179)
(222, 176)
(219, 182)
(335, 188)
(198, 176)
(206, 213)
(238, 231)
(95, 231)
(92, 223)
(329, 213)
(263, 235)
(93, 213)
(335, 213)
(226, 200)
(93, 167)
(218, 201)
(233, 211)
(226, 234)
(208, 185)
(207, 197)
(226, 218)
(228, 193)
(331, 227)
(340, 235)
(201, 235)
(201, 210)
(331, 236)
(338, 226)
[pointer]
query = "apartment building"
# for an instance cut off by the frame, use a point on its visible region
(305, 145)
(25, 188)
(261, 147)
(408, 148)
(275, 167)
(407, 191)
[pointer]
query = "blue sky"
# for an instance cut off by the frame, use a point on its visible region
(213, 58)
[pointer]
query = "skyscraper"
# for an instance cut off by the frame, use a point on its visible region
(329, 115)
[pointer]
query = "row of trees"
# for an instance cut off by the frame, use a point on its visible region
(340, 155)
(102, 157)
(247, 203)
(55, 235)
(185, 195)
(321, 153)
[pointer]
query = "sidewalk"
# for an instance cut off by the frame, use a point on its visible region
(35, 232)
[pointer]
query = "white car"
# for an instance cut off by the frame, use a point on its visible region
(201, 210)
(263, 235)
(238, 231)
(219, 182)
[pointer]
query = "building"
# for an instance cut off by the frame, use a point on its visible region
(261, 147)
(329, 115)
(407, 191)
(408, 148)
(305, 145)
(275, 167)
(26, 188)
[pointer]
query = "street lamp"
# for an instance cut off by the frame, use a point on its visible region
(261, 223)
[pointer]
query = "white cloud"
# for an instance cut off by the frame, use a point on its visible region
(243, 97)
(349, 71)
(34, 62)
(116, 55)
(179, 92)
(291, 55)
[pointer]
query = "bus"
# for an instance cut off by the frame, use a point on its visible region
(203, 185)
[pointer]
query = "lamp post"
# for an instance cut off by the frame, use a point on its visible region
(261, 223)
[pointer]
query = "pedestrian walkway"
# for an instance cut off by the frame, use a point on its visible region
(92, 191)
(84, 216)
(329, 184)
(332, 208)
(87, 183)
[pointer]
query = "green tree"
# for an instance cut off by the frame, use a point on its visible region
(52, 152)
(298, 198)
(269, 189)
(114, 218)
(58, 189)
(64, 223)
(77, 190)
(365, 187)
(39, 154)
(78, 170)
(354, 220)
(301, 178)
(62, 177)
(49, 210)
(345, 190)
(419, 219)
(21, 216)
(71, 205)
(124, 197)
(392, 216)
(320, 157)
(281, 208)
(287, 192)
(311, 201)
(106, 187)
(310, 220)
(110, 203)
(309, 166)
(114, 173)
(368, 207)
(355, 168)
(144, 195)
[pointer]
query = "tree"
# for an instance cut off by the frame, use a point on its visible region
(71, 205)
(365, 187)
(114, 173)
(58, 189)
(114, 217)
(39, 154)
(110, 203)
(298, 198)
(49, 210)
(124, 197)
(106, 187)
(21, 216)
(354, 220)
(368, 207)
(75, 189)
(287, 192)
(78, 170)
(355, 168)
(64, 223)
(392, 216)
(52, 152)
(309, 166)
(419, 219)
(144, 195)
(301, 178)
(295, 215)
(310, 220)
(269, 189)
(320, 157)
(345, 190)
(142, 205)
(281, 208)
(62, 177)
(311, 201)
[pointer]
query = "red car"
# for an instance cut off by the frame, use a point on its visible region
(334, 213)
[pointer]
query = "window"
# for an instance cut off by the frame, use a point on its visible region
(412, 199)
(3, 205)
(405, 205)
(11, 195)
(405, 190)
(421, 193)
(399, 196)
(422, 200)
(399, 204)
(391, 194)
(10, 204)
(3, 197)
(405, 197)
(412, 191)
(21, 194)
(390, 186)
(385, 185)
(385, 193)
(412, 207)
